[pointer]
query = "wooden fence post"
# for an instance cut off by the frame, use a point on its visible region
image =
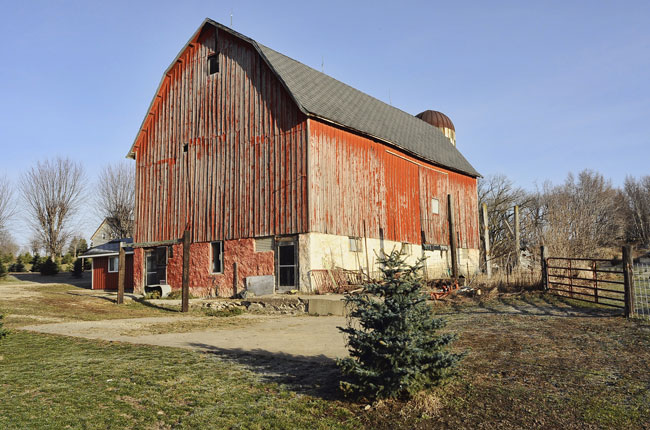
(543, 256)
(628, 280)
(452, 236)
(517, 239)
(594, 275)
(486, 240)
(185, 302)
(121, 274)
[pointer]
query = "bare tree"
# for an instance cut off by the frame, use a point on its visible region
(116, 198)
(53, 192)
(637, 210)
(580, 217)
(6, 203)
(501, 196)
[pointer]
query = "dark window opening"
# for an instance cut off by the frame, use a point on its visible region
(213, 64)
(185, 146)
(217, 257)
(287, 265)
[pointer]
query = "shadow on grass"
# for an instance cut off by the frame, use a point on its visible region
(148, 304)
(317, 376)
(59, 278)
(537, 305)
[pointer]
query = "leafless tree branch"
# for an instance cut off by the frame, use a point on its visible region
(116, 198)
(53, 193)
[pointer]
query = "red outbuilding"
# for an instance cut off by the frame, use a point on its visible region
(279, 171)
(105, 265)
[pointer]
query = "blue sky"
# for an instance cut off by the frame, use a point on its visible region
(535, 89)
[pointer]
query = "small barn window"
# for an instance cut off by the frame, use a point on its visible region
(113, 264)
(217, 257)
(355, 244)
(213, 64)
(435, 206)
(185, 146)
(406, 249)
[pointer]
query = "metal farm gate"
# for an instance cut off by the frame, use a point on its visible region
(597, 280)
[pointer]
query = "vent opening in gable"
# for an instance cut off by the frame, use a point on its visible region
(213, 64)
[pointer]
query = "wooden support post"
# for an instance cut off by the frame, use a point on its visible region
(452, 237)
(628, 280)
(365, 246)
(543, 257)
(570, 280)
(121, 275)
(185, 302)
(235, 279)
(486, 241)
(594, 275)
(517, 243)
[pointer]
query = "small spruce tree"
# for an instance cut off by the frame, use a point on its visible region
(77, 269)
(36, 263)
(50, 267)
(394, 349)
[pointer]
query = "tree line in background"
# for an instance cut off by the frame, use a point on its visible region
(583, 217)
(49, 198)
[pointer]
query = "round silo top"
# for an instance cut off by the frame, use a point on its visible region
(436, 119)
(441, 121)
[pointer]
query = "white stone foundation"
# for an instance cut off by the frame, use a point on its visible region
(328, 251)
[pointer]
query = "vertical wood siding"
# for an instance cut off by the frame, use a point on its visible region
(105, 280)
(244, 172)
(355, 179)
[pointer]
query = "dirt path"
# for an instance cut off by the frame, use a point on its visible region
(304, 336)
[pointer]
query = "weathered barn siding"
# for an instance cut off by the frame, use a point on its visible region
(244, 172)
(355, 179)
(105, 280)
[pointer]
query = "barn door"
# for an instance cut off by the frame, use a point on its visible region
(156, 266)
(287, 266)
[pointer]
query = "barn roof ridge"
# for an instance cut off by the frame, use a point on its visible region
(321, 96)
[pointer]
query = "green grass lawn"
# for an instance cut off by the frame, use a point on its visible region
(61, 382)
(534, 361)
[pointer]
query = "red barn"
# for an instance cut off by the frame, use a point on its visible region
(284, 170)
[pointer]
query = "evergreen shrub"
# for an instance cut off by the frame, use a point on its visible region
(395, 351)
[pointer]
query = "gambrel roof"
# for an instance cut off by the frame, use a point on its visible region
(321, 96)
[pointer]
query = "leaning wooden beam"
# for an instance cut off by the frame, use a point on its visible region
(153, 244)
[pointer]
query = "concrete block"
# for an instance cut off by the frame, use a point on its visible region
(326, 306)
(260, 285)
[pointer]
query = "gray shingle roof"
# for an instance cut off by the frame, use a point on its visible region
(325, 97)
(108, 248)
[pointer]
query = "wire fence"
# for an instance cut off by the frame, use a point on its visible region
(642, 291)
